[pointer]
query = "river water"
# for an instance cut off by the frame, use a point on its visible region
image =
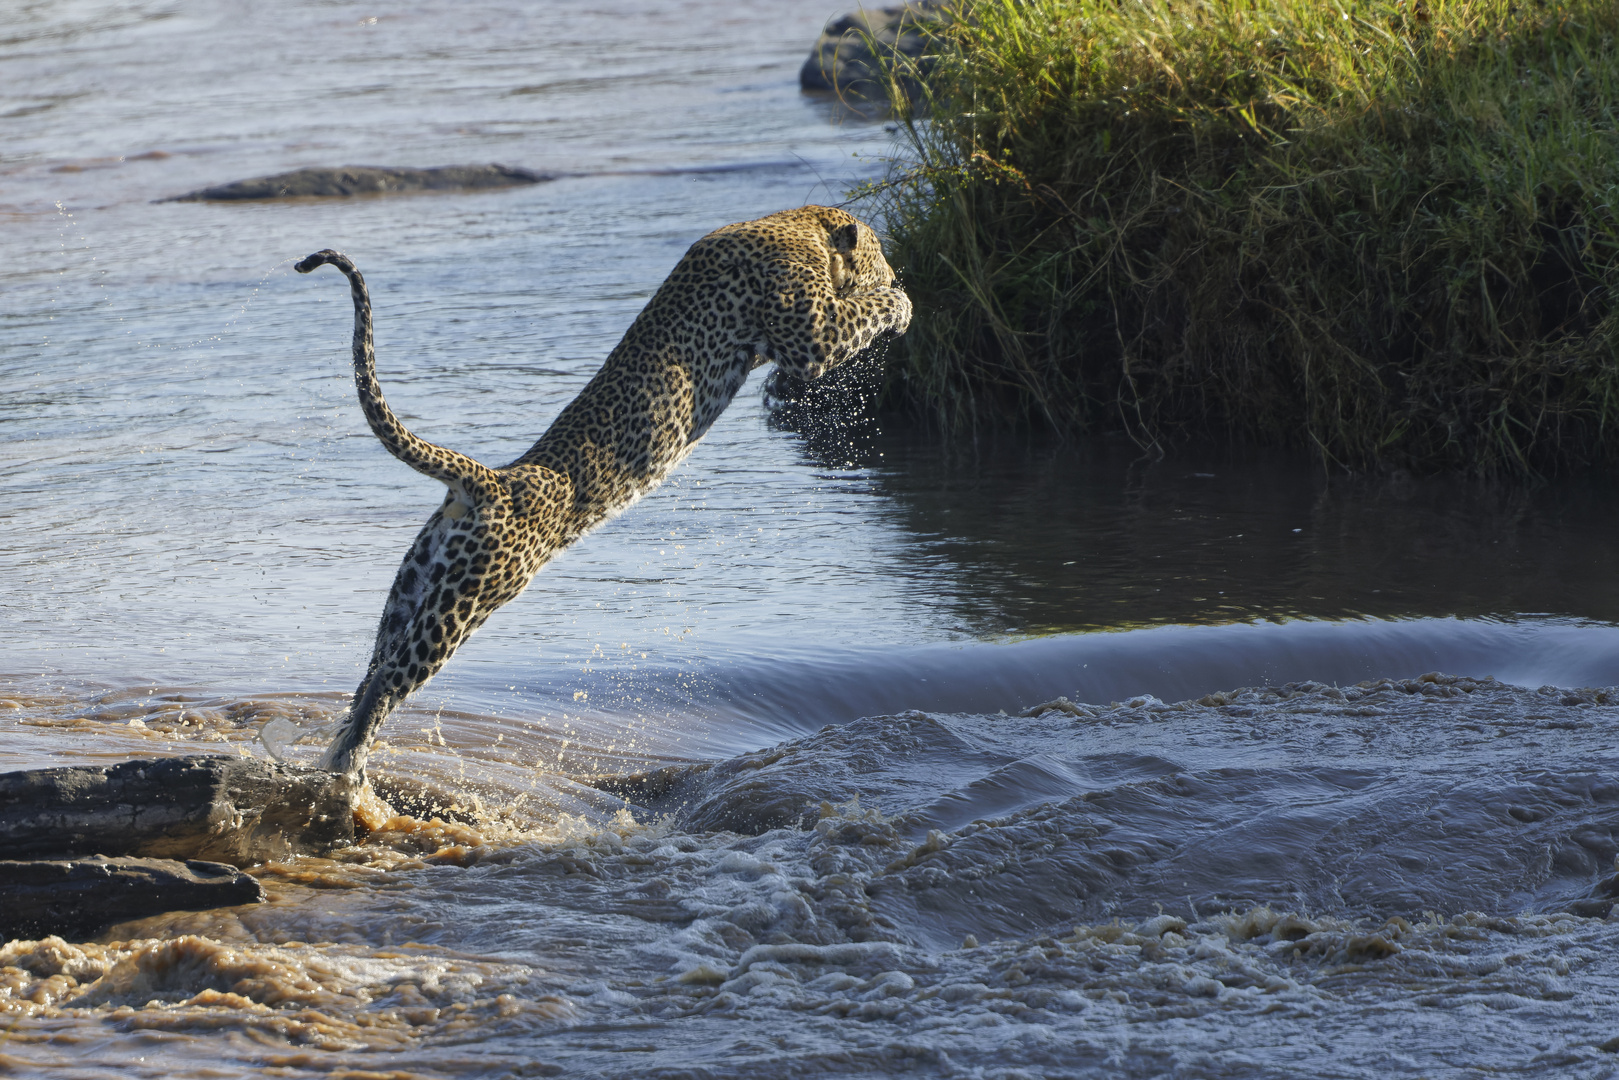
(863, 858)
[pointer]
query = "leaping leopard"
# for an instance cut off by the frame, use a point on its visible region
(807, 289)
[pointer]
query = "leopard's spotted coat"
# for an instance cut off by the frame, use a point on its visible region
(807, 289)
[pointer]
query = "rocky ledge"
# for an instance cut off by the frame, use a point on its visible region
(852, 53)
(350, 180)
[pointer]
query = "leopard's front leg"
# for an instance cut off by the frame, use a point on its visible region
(839, 328)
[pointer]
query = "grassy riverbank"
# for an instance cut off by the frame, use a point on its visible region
(1385, 232)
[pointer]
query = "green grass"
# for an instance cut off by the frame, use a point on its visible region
(1383, 232)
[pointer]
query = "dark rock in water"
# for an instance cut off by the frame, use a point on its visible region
(364, 180)
(850, 56)
(77, 898)
(236, 810)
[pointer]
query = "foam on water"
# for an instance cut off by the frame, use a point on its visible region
(712, 977)
(1246, 884)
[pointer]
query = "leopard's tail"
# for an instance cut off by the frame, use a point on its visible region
(458, 471)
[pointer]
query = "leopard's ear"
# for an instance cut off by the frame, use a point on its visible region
(846, 237)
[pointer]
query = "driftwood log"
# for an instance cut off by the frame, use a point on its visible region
(77, 898)
(241, 811)
(86, 846)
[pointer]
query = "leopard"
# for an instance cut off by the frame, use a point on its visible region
(807, 289)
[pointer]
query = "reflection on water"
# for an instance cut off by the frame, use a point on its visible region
(1038, 536)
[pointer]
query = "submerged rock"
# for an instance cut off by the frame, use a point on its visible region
(236, 810)
(850, 56)
(364, 180)
(77, 898)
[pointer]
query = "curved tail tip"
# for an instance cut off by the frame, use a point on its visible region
(319, 258)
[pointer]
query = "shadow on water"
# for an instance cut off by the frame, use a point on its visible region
(1032, 535)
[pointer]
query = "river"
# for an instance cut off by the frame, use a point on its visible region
(864, 858)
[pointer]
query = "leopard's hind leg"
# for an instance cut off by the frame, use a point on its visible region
(437, 597)
(437, 600)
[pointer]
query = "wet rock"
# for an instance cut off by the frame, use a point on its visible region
(236, 810)
(852, 52)
(364, 180)
(78, 898)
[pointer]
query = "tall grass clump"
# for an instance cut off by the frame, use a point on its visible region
(1381, 230)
